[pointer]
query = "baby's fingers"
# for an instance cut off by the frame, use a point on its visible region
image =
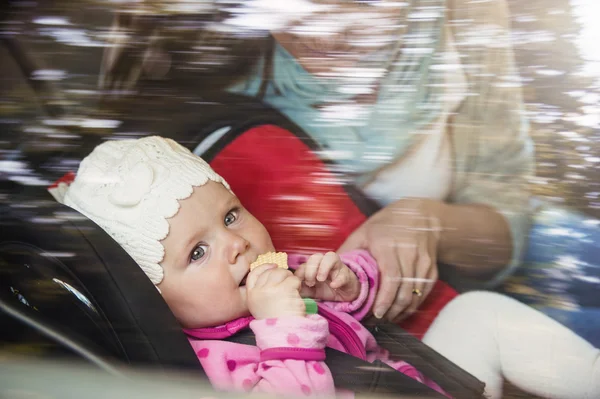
(311, 267)
(341, 278)
(300, 272)
(329, 261)
(254, 279)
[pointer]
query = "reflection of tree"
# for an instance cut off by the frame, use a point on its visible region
(549, 62)
(547, 57)
(544, 285)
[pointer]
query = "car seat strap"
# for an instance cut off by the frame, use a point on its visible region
(403, 346)
(360, 376)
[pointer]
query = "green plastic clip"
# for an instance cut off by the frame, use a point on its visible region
(311, 306)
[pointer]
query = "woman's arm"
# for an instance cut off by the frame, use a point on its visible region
(488, 225)
(474, 238)
(410, 236)
(481, 229)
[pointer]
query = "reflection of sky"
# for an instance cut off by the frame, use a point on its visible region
(75, 292)
(587, 12)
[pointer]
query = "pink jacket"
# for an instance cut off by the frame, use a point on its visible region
(289, 354)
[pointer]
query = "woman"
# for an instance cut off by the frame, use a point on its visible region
(419, 104)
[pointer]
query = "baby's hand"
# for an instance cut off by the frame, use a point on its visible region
(274, 292)
(326, 277)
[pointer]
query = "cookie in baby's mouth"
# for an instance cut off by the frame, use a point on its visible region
(277, 258)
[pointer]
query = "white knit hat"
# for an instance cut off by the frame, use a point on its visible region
(130, 187)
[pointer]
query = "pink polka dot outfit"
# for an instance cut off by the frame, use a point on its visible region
(290, 351)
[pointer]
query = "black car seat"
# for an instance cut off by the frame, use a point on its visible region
(68, 289)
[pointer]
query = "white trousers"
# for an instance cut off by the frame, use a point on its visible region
(495, 337)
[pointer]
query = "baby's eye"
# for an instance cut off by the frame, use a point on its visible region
(198, 253)
(230, 217)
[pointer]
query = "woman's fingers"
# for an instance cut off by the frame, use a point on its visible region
(424, 277)
(421, 286)
(407, 255)
(431, 278)
(403, 240)
(426, 262)
(389, 266)
(383, 251)
(431, 274)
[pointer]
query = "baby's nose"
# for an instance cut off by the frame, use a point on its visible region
(239, 246)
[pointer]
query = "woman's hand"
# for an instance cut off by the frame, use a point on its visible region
(403, 238)
(274, 292)
(326, 277)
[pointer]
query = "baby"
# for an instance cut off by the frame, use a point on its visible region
(194, 240)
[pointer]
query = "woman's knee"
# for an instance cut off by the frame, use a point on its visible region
(478, 300)
(466, 325)
(476, 303)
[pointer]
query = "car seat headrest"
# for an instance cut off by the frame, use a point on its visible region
(57, 265)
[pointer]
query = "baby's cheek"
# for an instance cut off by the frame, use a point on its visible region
(265, 242)
(182, 312)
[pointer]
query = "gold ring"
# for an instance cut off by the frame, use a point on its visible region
(417, 292)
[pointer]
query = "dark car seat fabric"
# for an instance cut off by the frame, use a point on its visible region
(59, 270)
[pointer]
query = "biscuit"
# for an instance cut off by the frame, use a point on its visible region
(278, 258)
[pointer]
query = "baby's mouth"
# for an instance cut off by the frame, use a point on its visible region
(243, 282)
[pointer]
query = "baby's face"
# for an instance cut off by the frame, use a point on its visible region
(212, 241)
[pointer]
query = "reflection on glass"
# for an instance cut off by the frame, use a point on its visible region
(75, 292)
